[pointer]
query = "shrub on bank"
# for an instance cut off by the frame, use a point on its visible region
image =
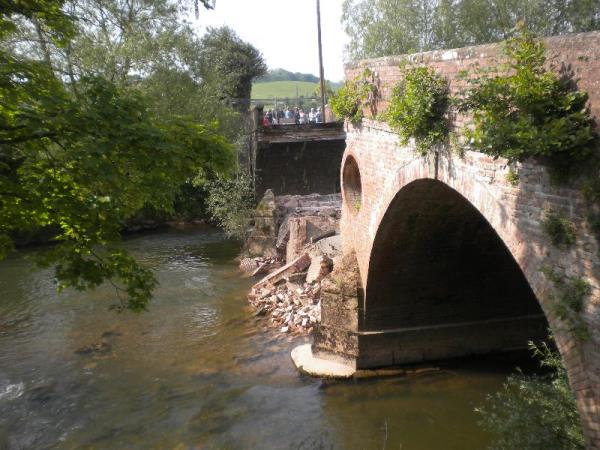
(230, 202)
(535, 412)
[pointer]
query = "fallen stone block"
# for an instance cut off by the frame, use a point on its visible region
(265, 267)
(299, 264)
(320, 267)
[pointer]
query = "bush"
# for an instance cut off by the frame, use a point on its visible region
(512, 177)
(417, 108)
(349, 100)
(529, 111)
(567, 300)
(534, 412)
(230, 202)
(559, 229)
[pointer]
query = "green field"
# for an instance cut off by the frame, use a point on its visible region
(283, 89)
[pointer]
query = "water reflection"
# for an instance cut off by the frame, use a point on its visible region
(198, 370)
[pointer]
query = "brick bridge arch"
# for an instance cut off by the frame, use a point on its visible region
(398, 207)
(393, 198)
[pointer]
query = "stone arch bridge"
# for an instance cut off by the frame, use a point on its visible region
(443, 254)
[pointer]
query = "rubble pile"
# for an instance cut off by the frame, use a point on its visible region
(292, 308)
(304, 232)
(278, 219)
(260, 265)
(291, 296)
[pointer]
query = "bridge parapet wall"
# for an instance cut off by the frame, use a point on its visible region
(575, 54)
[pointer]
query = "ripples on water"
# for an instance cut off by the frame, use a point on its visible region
(197, 370)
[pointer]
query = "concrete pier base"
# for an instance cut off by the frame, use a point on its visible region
(388, 348)
(307, 363)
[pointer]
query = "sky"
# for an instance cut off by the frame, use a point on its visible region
(285, 32)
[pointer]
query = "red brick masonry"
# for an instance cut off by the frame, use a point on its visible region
(514, 212)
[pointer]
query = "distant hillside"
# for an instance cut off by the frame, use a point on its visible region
(286, 75)
(283, 89)
(281, 84)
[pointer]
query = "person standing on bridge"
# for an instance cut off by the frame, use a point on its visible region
(265, 121)
(302, 117)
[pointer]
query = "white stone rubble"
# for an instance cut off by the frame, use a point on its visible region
(292, 307)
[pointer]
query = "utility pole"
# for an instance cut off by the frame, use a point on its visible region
(322, 73)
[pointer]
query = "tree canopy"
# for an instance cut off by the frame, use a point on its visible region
(286, 75)
(391, 27)
(107, 108)
(231, 64)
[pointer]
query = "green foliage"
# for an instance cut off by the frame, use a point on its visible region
(353, 95)
(512, 177)
(534, 412)
(567, 301)
(591, 190)
(591, 195)
(208, 4)
(142, 45)
(188, 97)
(190, 202)
(329, 90)
(560, 230)
(394, 27)
(230, 202)
(230, 64)
(347, 101)
(456, 145)
(47, 14)
(79, 160)
(417, 108)
(529, 111)
(286, 75)
(85, 166)
(593, 219)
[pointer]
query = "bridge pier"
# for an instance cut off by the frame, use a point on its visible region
(345, 337)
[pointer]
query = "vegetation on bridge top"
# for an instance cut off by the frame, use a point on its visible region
(418, 108)
(524, 110)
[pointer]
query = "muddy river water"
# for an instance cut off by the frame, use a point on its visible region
(199, 371)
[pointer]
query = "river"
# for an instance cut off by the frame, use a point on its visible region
(199, 371)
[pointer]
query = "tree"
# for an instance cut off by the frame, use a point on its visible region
(380, 27)
(231, 203)
(329, 90)
(230, 64)
(79, 161)
(140, 44)
(208, 4)
(386, 27)
(188, 96)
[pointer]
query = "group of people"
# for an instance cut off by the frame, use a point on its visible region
(293, 115)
